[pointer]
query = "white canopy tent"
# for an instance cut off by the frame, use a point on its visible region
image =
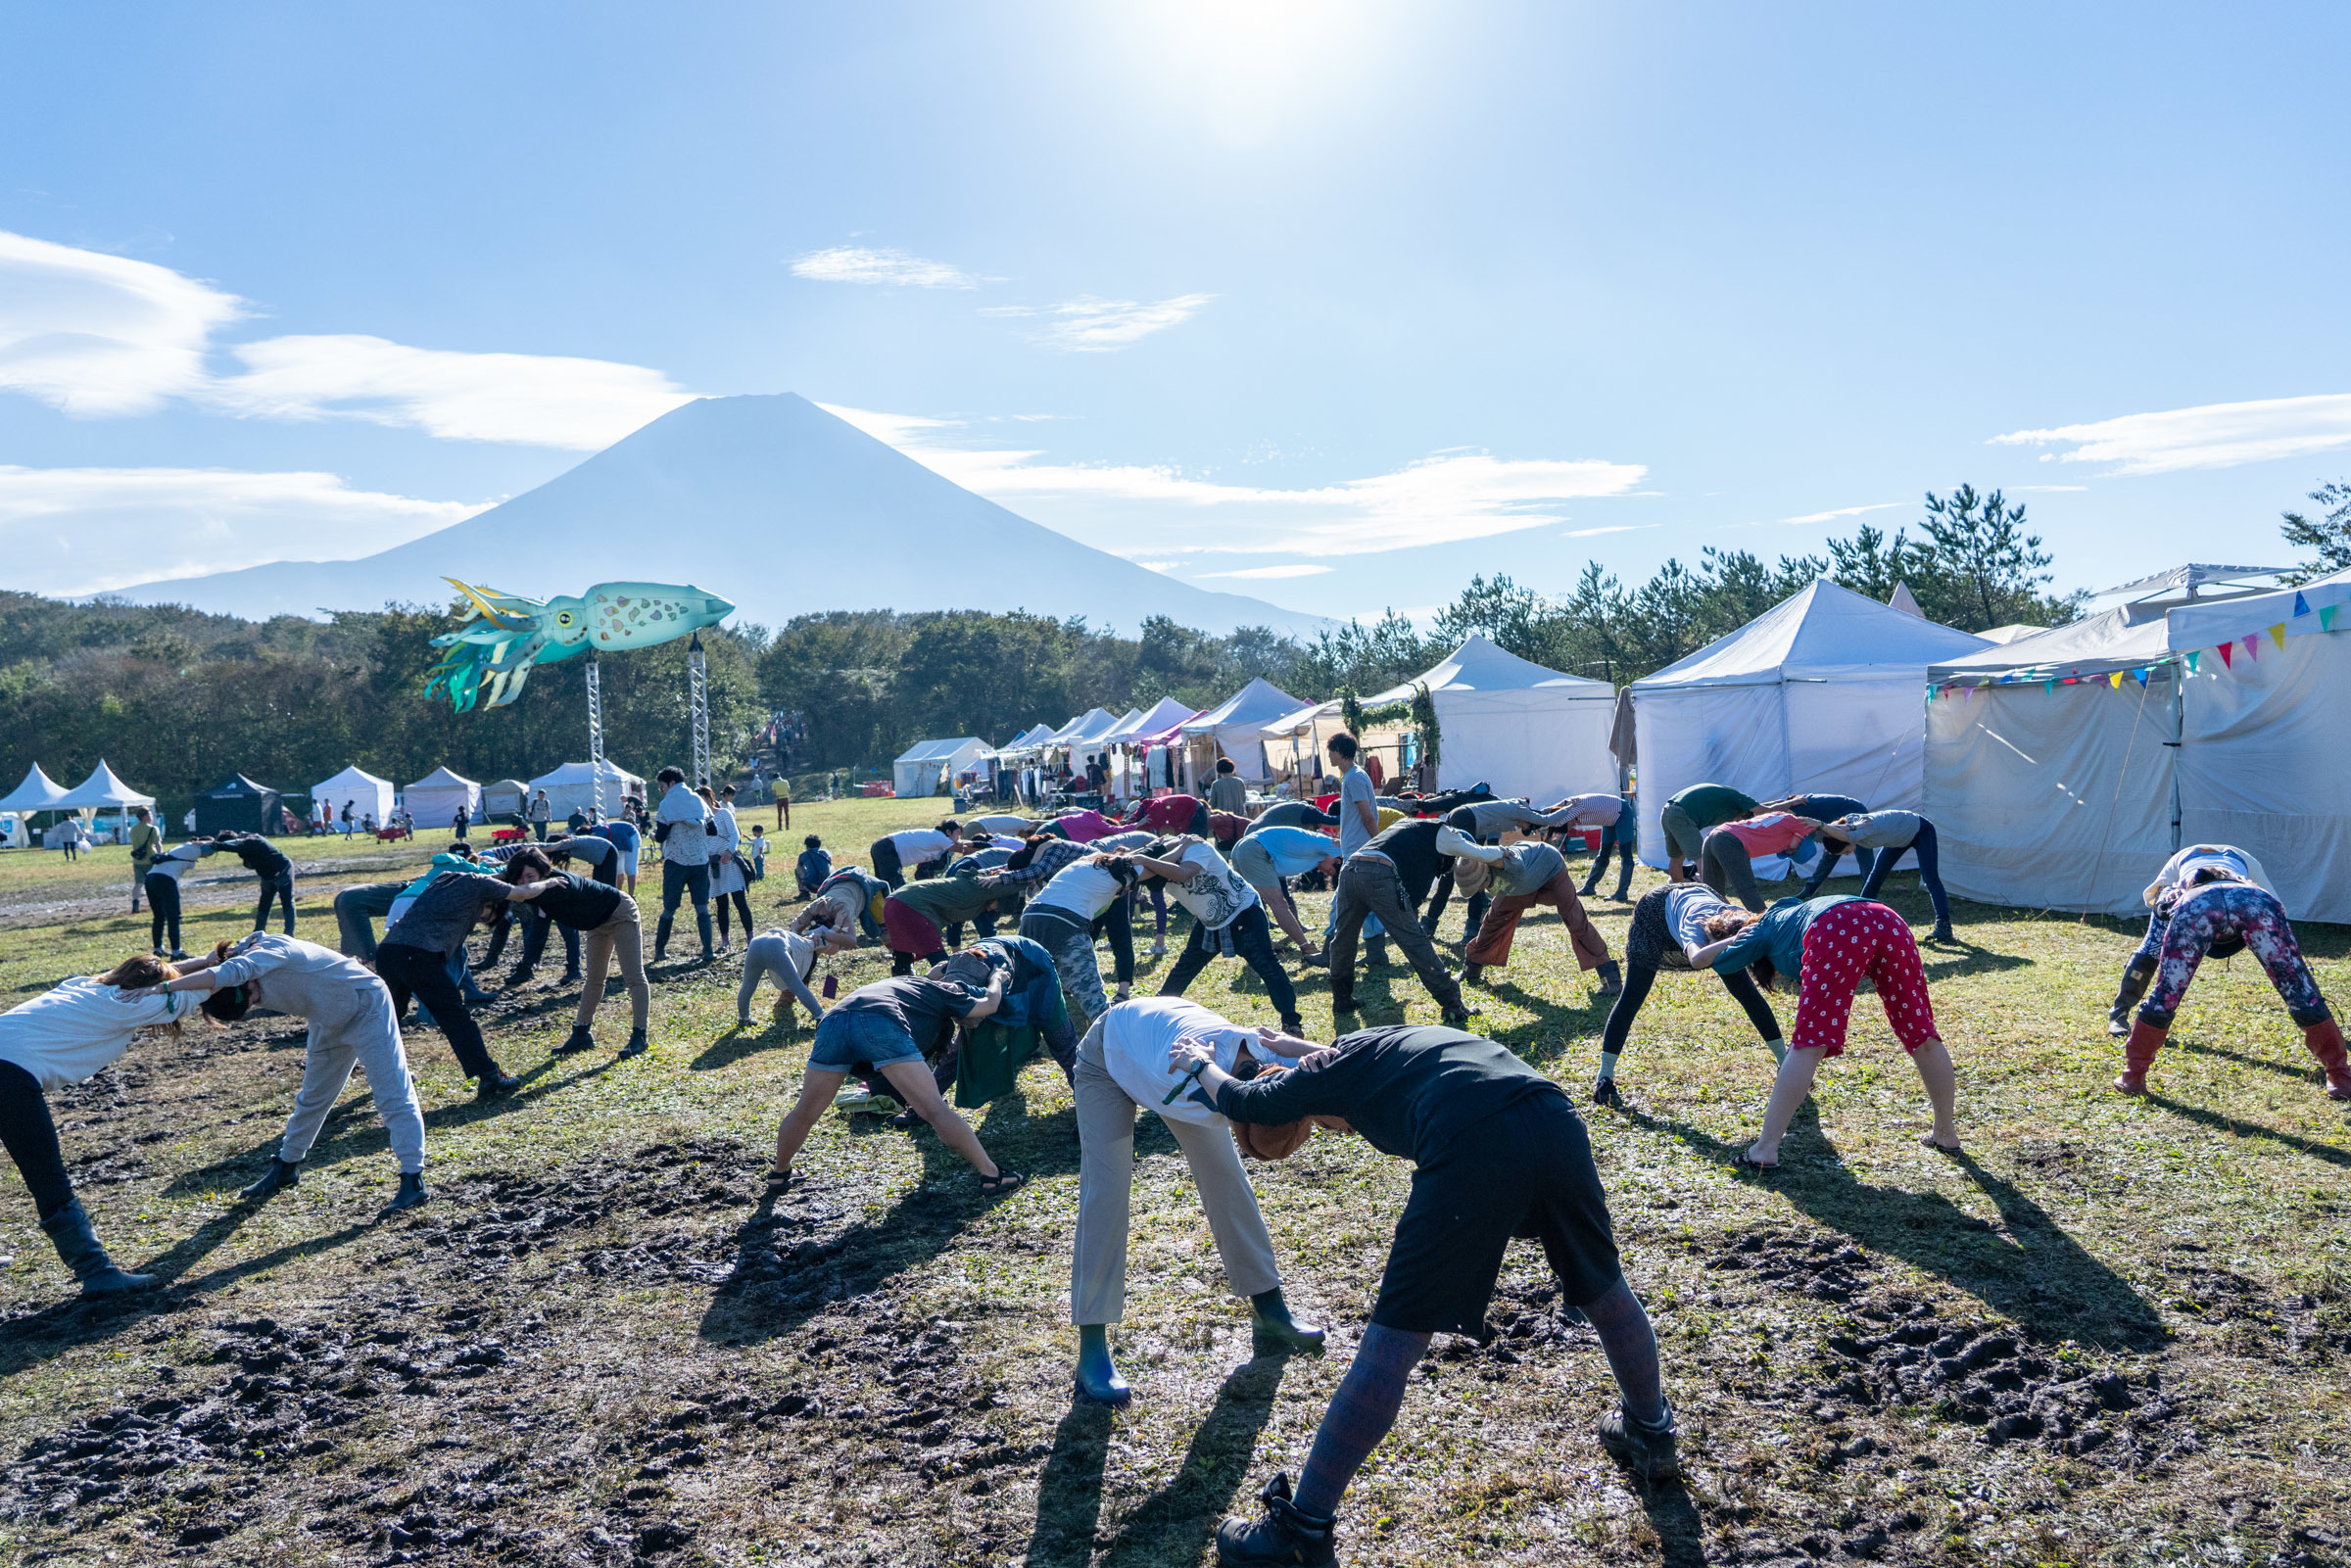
(39, 792)
(364, 789)
(1502, 720)
(1821, 691)
(102, 789)
(2055, 785)
(575, 786)
(433, 800)
(925, 764)
(1236, 727)
(1123, 728)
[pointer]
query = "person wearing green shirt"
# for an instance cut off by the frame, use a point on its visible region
(1688, 815)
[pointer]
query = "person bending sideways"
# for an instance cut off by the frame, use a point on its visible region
(1825, 808)
(163, 893)
(1686, 816)
(1061, 916)
(2217, 904)
(922, 919)
(1830, 945)
(2183, 868)
(896, 856)
(1125, 1063)
(788, 959)
(1887, 833)
(1265, 856)
(609, 925)
(351, 1023)
(1520, 876)
(1619, 827)
(1497, 1151)
(1726, 854)
(1227, 917)
(414, 960)
(888, 1027)
(1669, 925)
(65, 1035)
(269, 867)
(1386, 880)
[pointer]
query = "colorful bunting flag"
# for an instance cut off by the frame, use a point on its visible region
(2326, 616)
(2116, 680)
(2193, 659)
(2277, 634)
(2300, 606)
(2229, 654)
(2252, 645)
(2140, 675)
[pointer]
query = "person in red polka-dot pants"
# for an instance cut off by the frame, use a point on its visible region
(1842, 941)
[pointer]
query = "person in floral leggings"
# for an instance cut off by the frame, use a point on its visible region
(2221, 908)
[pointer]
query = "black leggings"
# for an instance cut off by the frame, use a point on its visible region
(31, 1140)
(162, 902)
(278, 884)
(743, 906)
(1637, 978)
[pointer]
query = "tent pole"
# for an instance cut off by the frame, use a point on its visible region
(595, 738)
(2178, 742)
(698, 690)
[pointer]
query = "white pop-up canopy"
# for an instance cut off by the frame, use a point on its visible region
(1821, 691)
(103, 788)
(1090, 728)
(39, 792)
(924, 765)
(1126, 726)
(1502, 721)
(573, 786)
(363, 789)
(433, 800)
(2063, 769)
(1237, 726)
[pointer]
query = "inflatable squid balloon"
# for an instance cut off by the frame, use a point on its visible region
(501, 635)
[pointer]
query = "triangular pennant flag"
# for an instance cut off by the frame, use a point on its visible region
(2140, 675)
(2301, 607)
(2277, 634)
(2049, 686)
(2326, 616)
(2193, 659)
(2252, 645)
(2229, 654)
(2116, 680)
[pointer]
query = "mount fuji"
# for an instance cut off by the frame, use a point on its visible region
(833, 520)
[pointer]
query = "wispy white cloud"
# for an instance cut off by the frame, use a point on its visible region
(538, 399)
(2024, 490)
(2215, 435)
(1299, 569)
(1089, 325)
(1595, 533)
(100, 335)
(1159, 566)
(858, 263)
(87, 529)
(1157, 512)
(1845, 511)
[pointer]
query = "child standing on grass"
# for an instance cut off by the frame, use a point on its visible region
(756, 850)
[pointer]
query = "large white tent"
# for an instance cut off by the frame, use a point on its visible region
(39, 792)
(1502, 720)
(921, 769)
(574, 785)
(433, 800)
(364, 789)
(1237, 728)
(1822, 691)
(102, 789)
(2054, 784)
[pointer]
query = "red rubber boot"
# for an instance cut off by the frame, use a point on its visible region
(2138, 1055)
(2324, 1040)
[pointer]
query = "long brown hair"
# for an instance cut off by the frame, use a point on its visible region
(1731, 922)
(134, 972)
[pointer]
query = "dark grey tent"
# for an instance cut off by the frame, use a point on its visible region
(236, 801)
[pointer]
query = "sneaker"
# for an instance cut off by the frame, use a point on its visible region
(497, 1084)
(1286, 1535)
(1604, 1093)
(1455, 1018)
(1648, 1452)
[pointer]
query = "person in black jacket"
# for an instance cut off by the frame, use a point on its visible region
(608, 920)
(266, 861)
(1388, 877)
(1498, 1151)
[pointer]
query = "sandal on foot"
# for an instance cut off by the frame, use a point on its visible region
(1928, 1142)
(1743, 1161)
(780, 1180)
(1003, 1183)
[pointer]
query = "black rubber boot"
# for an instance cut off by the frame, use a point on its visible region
(2137, 975)
(495, 1084)
(276, 1179)
(1624, 878)
(635, 1045)
(1375, 953)
(1472, 973)
(1273, 1329)
(1287, 1534)
(1647, 1452)
(1293, 1026)
(78, 1250)
(580, 1039)
(517, 976)
(1612, 979)
(1342, 1002)
(1099, 1377)
(412, 1193)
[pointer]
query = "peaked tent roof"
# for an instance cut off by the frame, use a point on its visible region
(1906, 601)
(1126, 726)
(1482, 664)
(1256, 704)
(1034, 735)
(103, 788)
(1055, 736)
(2013, 632)
(236, 785)
(579, 773)
(1822, 632)
(1097, 723)
(1162, 724)
(2126, 636)
(941, 750)
(39, 792)
(442, 779)
(351, 777)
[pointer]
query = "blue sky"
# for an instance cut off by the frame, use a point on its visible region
(1337, 303)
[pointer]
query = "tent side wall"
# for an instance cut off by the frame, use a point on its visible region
(1535, 742)
(239, 811)
(2053, 799)
(1731, 734)
(2265, 765)
(436, 805)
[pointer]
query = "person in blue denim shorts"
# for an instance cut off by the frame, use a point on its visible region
(889, 1027)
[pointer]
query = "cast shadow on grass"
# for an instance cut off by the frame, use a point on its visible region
(755, 1306)
(740, 1042)
(344, 1137)
(2236, 1127)
(2045, 1282)
(1556, 1027)
(2300, 1071)
(1175, 1521)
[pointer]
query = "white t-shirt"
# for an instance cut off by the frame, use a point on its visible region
(79, 1026)
(1217, 895)
(175, 863)
(2184, 865)
(1081, 887)
(1136, 1037)
(1003, 823)
(919, 844)
(1688, 908)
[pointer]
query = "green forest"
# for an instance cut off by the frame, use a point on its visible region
(175, 699)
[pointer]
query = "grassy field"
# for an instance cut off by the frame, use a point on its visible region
(2114, 1331)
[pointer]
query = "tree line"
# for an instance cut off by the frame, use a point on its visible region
(176, 699)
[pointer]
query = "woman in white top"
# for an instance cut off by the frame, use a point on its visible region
(352, 1023)
(1227, 917)
(1061, 916)
(1122, 1063)
(65, 1035)
(727, 880)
